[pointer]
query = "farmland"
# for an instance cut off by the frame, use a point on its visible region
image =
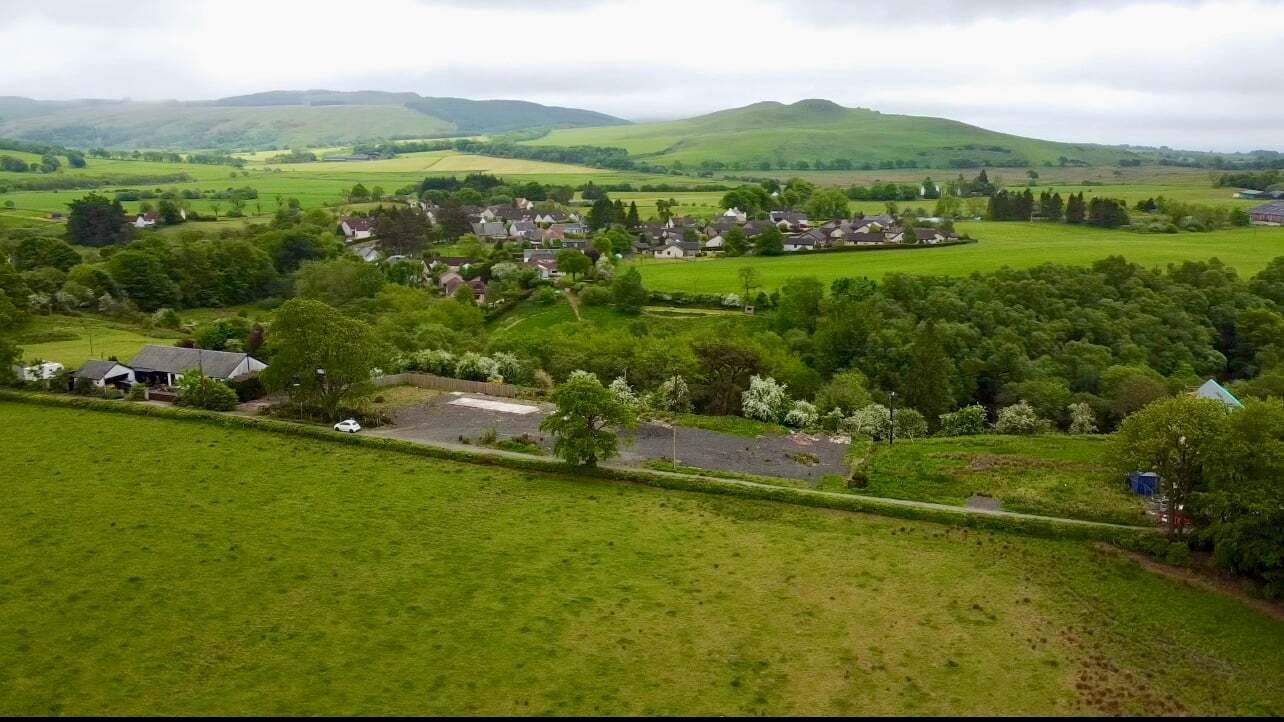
(1016, 245)
(228, 571)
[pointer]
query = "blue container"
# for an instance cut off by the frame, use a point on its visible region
(1144, 483)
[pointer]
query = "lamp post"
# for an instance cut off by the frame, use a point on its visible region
(891, 419)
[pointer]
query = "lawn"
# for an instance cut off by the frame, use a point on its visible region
(72, 340)
(1017, 245)
(1057, 475)
(173, 567)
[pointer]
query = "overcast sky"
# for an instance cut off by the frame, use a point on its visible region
(1196, 75)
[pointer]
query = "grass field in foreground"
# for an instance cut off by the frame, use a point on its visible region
(161, 566)
(1056, 475)
(1018, 245)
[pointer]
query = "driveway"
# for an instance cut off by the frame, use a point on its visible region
(454, 417)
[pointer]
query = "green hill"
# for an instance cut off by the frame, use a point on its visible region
(768, 134)
(275, 119)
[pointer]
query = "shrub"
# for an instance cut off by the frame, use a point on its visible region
(1177, 554)
(248, 388)
(874, 421)
(624, 393)
(167, 318)
(1020, 418)
(803, 415)
(510, 367)
(595, 296)
(765, 400)
(137, 392)
(967, 421)
(910, 424)
(475, 367)
(203, 392)
(544, 295)
(673, 395)
(439, 362)
(1082, 419)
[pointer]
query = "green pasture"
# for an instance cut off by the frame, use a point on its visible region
(1016, 245)
(72, 340)
(160, 566)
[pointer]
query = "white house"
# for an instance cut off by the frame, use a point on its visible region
(736, 215)
(104, 373)
(145, 220)
(163, 365)
(679, 249)
(357, 229)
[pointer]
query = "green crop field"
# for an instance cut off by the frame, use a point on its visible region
(173, 567)
(1017, 245)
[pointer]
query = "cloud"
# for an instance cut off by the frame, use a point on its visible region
(1176, 72)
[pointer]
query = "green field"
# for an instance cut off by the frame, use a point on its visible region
(1054, 475)
(1016, 245)
(174, 567)
(72, 340)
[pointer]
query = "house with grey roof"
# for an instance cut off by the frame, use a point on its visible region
(1271, 214)
(105, 373)
(163, 365)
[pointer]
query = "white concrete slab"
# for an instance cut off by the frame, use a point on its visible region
(489, 405)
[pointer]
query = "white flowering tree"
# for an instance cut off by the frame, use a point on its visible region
(766, 400)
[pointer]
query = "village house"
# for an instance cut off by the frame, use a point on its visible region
(1271, 214)
(735, 214)
(146, 220)
(163, 365)
(357, 228)
(546, 268)
(490, 229)
(451, 282)
(790, 221)
(808, 241)
(679, 249)
(105, 373)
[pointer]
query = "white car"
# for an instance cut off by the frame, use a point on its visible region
(349, 426)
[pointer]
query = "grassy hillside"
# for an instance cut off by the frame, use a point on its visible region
(275, 119)
(173, 567)
(1019, 245)
(818, 130)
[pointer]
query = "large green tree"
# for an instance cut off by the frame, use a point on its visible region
(96, 221)
(319, 356)
(587, 412)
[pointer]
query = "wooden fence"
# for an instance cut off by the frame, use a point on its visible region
(443, 383)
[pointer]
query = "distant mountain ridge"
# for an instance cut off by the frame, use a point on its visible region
(280, 119)
(820, 131)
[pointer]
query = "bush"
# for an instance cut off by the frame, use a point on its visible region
(1020, 418)
(910, 424)
(1082, 418)
(475, 367)
(1177, 554)
(967, 421)
(873, 422)
(802, 416)
(672, 396)
(83, 387)
(203, 392)
(137, 392)
(544, 295)
(248, 388)
(439, 362)
(510, 368)
(765, 400)
(595, 296)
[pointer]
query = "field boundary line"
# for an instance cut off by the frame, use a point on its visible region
(1129, 537)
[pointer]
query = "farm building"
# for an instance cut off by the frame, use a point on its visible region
(1271, 214)
(162, 365)
(357, 229)
(105, 373)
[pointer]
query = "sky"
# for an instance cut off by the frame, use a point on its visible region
(1183, 73)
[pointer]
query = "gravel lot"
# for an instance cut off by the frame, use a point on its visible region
(440, 421)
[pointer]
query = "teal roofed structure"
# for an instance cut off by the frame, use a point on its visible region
(1213, 390)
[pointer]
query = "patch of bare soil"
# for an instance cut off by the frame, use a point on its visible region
(990, 462)
(1202, 577)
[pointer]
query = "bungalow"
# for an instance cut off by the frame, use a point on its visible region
(163, 365)
(490, 229)
(679, 249)
(546, 268)
(551, 217)
(571, 229)
(451, 283)
(809, 241)
(754, 229)
(858, 238)
(537, 254)
(146, 220)
(105, 373)
(453, 263)
(735, 214)
(357, 228)
(715, 244)
(1271, 214)
(368, 251)
(790, 221)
